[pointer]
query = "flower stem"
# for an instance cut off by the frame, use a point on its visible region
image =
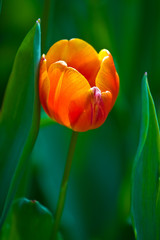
(64, 184)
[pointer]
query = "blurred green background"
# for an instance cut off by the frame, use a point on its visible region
(98, 200)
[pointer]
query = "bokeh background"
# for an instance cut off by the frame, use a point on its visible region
(98, 199)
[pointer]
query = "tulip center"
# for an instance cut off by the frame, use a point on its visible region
(96, 104)
(96, 95)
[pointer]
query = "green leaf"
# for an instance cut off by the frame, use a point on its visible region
(27, 220)
(19, 118)
(145, 179)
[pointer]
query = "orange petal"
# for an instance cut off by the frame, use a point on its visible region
(44, 84)
(57, 52)
(77, 54)
(55, 73)
(65, 83)
(107, 78)
(89, 110)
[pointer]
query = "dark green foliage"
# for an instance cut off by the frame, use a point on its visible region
(98, 200)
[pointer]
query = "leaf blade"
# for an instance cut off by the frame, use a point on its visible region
(19, 117)
(28, 220)
(145, 179)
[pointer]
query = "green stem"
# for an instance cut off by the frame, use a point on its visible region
(64, 184)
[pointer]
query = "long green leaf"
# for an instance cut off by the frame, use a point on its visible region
(145, 181)
(27, 220)
(19, 119)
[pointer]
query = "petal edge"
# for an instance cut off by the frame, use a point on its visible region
(107, 78)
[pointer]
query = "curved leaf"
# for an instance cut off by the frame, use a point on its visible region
(145, 180)
(19, 118)
(28, 220)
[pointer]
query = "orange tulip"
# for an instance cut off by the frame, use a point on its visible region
(77, 86)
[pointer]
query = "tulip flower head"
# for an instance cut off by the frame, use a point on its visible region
(77, 86)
